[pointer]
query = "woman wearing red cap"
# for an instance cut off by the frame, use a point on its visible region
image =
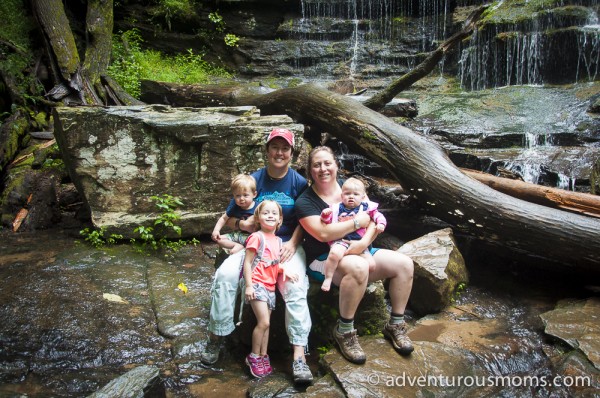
(278, 182)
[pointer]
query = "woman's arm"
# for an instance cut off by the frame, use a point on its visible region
(328, 232)
(359, 246)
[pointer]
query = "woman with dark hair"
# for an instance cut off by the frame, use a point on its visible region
(352, 274)
(277, 182)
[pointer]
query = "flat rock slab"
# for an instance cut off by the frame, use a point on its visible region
(577, 323)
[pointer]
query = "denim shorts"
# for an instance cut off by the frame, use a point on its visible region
(262, 294)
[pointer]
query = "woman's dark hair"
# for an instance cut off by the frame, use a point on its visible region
(310, 159)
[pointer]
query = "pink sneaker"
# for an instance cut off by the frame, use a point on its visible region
(267, 365)
(256, 366)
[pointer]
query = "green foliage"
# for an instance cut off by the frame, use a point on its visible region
(170, 9)
(15, 48)
(96, 238)
(458, 291)
(322, 350)
(230, 39)
(131, 64)
(155, 237)
(217, 19)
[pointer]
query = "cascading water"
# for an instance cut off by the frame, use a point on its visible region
(554, 43)
(379, 37)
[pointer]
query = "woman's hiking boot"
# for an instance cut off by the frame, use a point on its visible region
(349, 346)
(397, 334)
(210, 355)
(301, 372)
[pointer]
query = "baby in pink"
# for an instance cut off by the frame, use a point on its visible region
(353, 201)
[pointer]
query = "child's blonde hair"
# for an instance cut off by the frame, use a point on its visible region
(243, 181)
(354, 183)
(259, 209)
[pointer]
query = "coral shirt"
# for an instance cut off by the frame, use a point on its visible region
(265, 272)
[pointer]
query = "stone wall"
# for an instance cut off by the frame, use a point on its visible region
(120, 157)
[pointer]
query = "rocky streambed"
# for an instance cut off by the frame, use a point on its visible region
(76, 317)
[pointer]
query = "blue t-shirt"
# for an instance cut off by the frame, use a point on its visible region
(284, 191)
(237, 212)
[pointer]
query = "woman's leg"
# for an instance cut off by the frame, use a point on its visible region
(351, 276)
(223, 294)
(297, 316)
(398, 268)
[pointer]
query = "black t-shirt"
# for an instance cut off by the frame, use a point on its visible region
(310, 204)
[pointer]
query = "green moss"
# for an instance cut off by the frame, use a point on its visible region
(367, 134)
(518, 10)
(14, 29)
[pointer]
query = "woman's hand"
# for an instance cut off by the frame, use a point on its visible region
(287, 251)
(363, 219)
(290, 275)
(356, 246)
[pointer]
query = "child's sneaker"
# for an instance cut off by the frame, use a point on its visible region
(267, 365)
(256, 365)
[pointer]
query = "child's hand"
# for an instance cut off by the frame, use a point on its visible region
(380, 228)
(249, 294)
(327, 212)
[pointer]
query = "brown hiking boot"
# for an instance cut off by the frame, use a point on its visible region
(349, 346)
(397, 334)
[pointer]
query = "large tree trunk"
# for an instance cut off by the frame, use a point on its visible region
(422, 167)
(77, 81)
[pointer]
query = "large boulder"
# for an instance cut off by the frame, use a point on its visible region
(440, 271)
(119, 157)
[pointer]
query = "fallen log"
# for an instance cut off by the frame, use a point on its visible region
(576, 202)
(422, 168)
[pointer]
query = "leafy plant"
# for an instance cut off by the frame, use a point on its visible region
(170, 9)
(458, 291)
(155, 236)
(230, 39)
(130, 64)
(96, 237)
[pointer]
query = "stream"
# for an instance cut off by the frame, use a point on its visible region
(63, 335)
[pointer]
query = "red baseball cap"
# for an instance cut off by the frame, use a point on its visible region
(283, 133)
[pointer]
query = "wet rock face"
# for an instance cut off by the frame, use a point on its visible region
(119, 157)
(439, 271)
(586, 315)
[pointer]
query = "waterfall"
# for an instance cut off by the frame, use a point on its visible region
(548, 45)
(354, 49)
(377, 34)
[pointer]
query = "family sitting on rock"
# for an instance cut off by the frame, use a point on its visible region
(305, 234)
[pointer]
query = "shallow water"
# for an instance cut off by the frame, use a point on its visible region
(61, 338)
